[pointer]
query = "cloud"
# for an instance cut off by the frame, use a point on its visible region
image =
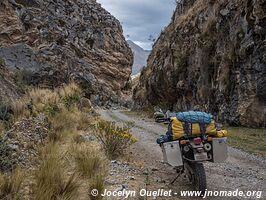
(144, 45)
(141, 18)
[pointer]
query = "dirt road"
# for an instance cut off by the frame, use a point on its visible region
(241, 171)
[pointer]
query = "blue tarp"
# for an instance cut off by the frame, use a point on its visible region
(194, 117)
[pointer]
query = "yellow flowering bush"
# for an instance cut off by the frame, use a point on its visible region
(115, 140)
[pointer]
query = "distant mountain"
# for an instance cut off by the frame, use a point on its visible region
(140, 57)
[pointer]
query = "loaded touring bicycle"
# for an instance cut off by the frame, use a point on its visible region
(192, 138)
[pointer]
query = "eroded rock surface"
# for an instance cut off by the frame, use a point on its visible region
(54, 42)
(8, 87)
(211, 57)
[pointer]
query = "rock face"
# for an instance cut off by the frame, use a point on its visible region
(211, 57)
(54, 42)
(8, 86)
(140, 57)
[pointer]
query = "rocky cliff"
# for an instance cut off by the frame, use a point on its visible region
(211, 57)
(52, 42)
(8, 86)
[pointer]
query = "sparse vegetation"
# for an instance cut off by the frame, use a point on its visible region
(210, 25)
(22, 78)
(53, 178)
(188, 16)
(114, 139)
(60, 106)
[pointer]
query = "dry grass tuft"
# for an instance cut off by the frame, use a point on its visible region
(52, 181)
(68, 122)
(70, 94)
(78, 139)
(20, 110)
(46, 101)
(62, 124)
(10, 185)
(88, 159)
(84, 121)
(97, 183)
(71, 89)
(43, 96)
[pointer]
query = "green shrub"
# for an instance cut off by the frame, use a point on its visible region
(70, 100)
(51, 109)
(114, 139)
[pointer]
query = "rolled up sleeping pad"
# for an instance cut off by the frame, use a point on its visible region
(194, 117)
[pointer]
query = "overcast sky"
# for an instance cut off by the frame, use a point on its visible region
(141, 18)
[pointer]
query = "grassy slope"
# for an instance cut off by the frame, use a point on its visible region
(67, 165)
(63, 160)
(248, 139)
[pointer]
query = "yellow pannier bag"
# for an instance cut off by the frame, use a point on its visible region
(222, 133)
(178, 130)
(211, 129)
